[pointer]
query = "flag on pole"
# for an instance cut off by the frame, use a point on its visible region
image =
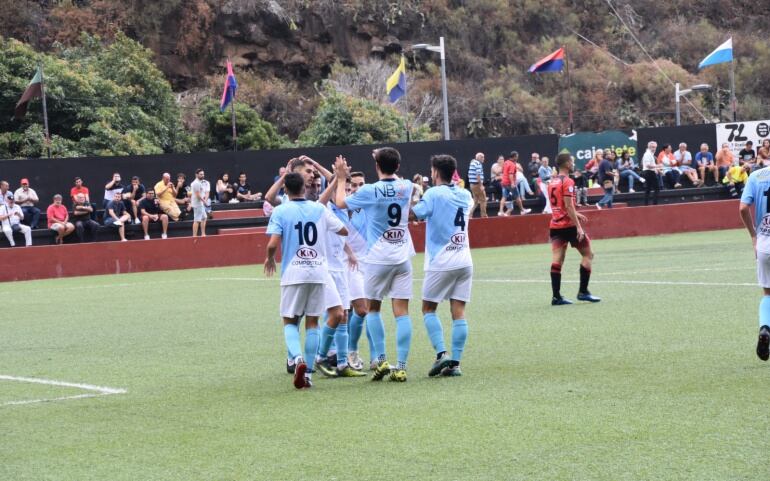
(551, 63)
(34, 90)
(723, 53)
(231, 85)
(396, 84)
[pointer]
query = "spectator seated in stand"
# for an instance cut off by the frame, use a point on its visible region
(225, 191)
(165, 192)
(686, 166)
(58, 219)
(747, 155)
(544, 174)
(704, 163)
(132, 194)
(4, 192)
(79, 188)
(496, 176)
(26, 198)
(243, 190)
(671, 173)
(591, 169)
(149, 209)
(725, 159)
(182, 199)
(11, 216)
(117, 215)
(627, 171)
(82, 210)
(736, 178)
(763, 158)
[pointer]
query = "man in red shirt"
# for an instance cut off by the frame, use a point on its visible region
(508, 183)
(58, 219)
(566, 230)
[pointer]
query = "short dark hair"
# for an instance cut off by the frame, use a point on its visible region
(78, 179)
(388, 159)
(295, 163)
(293, 183)
(445, 165)
(514, 154)
(180, 174)
(198, 171)
(357, 174)
(563, 159)
(136, 177)
(242, 173)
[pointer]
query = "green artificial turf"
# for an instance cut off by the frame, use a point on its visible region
(659, 381)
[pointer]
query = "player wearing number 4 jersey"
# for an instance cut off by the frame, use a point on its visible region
(756, 194)
(300, 227)
(448, 264)
(389, 249)
(566, 230)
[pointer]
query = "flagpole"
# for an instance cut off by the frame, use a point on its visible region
(733, 102)
(406, 107)
(569, 90)
(45, 113)
(232, 115)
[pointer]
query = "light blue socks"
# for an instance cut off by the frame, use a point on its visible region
(459, 335)
(435, 331)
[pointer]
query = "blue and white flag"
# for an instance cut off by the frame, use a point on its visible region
(723, 53)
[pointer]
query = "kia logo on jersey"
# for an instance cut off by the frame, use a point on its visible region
(458, 239)
(306, 253)
(394, 235)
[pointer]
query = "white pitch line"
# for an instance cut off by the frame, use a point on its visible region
(98, 390)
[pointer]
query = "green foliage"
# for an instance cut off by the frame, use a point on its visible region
(103, 99)
(345, 120)
(254, 133)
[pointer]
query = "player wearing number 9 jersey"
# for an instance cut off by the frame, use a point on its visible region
(448, 264)
(755, 194)
(300, 227)
(386, 204)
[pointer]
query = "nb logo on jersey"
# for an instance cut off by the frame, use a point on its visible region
(387, 191)
(394, 235)
(306, 253)
(458, 239)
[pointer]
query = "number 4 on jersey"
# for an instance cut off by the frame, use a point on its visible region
(460, 218)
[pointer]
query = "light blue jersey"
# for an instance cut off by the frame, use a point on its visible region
(303, 226)
(386, 205)
(335, 244)
(446, 209)
(755, 193)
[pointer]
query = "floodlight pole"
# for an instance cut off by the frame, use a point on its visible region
(443, 88)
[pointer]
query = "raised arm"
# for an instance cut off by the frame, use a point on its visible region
(341, 166)
(325, 172)
(330, 189)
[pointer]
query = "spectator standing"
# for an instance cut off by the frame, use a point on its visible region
(132, 194)
(79, 188)
(58, 219)
(476, 179)
(591, 168)
(10, 219)
(496, 175)
(81, 217)
(667, 159)
(606, 177)
(117, 215)
(725, 159)
(627, 170)
(417, 191)
(704, 162)
(150, 210)
(111, 188)
(26, 197)
(200, 201)
(225, 189)
(651, 173)
(684, 160)
(581, 186)
(165, 190)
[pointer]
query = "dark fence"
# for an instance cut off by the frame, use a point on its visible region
(692, 135)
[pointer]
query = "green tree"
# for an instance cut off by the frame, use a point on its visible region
(345, 120)
(254, 133)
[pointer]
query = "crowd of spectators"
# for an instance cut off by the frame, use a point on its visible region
(121, 205)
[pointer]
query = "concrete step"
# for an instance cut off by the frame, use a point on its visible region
(242, 230)
(237, 214)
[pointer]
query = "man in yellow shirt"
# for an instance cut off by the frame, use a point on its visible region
(165, 191)
(736, 178)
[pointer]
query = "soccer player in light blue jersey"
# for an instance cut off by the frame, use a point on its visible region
(299, 227)
(389, 250)
(358, 305)
(448, 263)
(755, 195)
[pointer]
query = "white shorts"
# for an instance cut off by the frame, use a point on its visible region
(356, 283)
(763, 269)
(302, 299)
(442, 285)
(336, 290)
(388, 280)
(199, 214)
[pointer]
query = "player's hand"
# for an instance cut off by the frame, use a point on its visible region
(581, 217)
(754, 243)
(340, 164)
(352, 262)
(581, 234)
(269, 267)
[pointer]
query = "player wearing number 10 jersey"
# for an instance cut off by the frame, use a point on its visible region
(300, 227)
(755, 194)
(386, 204)
(448, 264)
(566, 229)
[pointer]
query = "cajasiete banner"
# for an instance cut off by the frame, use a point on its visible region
(583, 145)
